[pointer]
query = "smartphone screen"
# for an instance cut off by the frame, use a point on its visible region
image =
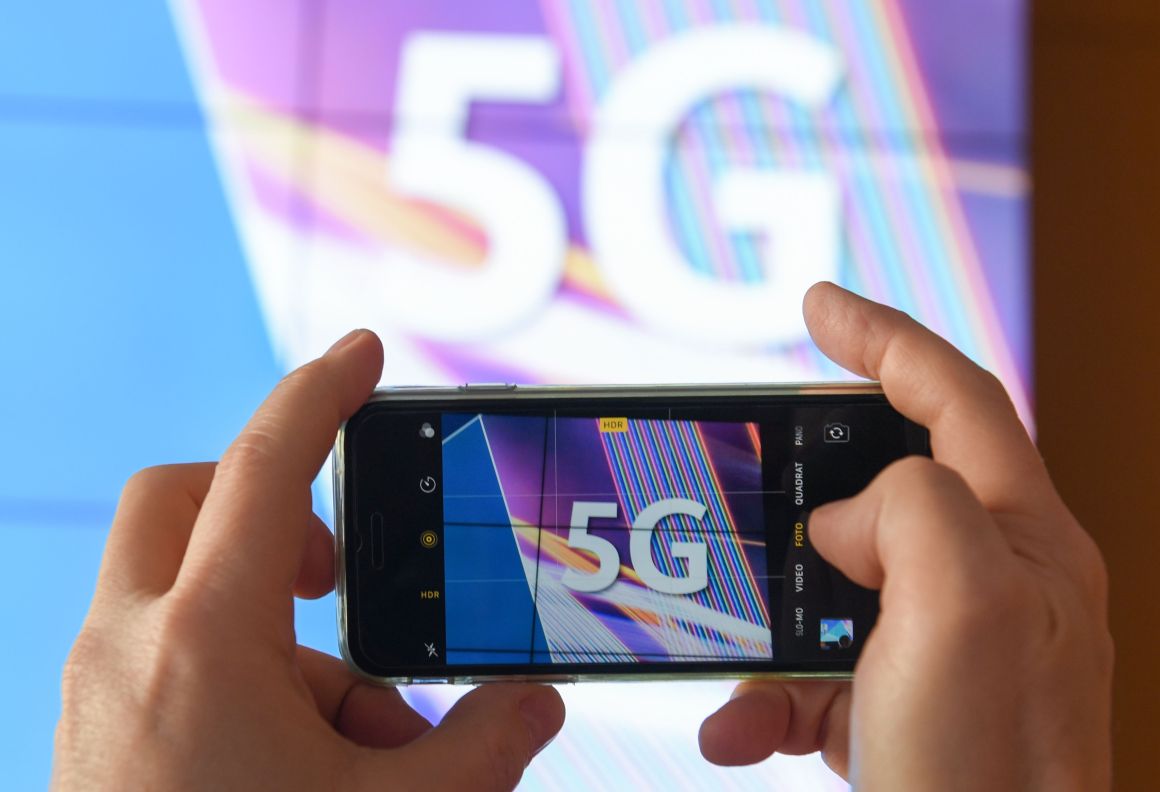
(570, 537)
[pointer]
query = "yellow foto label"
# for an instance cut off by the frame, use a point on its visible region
(613, 424)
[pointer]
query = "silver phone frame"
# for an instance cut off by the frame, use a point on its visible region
(477, 392)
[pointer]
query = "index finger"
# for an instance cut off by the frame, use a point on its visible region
(973, 425)
(250, 537)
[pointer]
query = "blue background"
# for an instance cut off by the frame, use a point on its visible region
(130, 334)
(476, 558)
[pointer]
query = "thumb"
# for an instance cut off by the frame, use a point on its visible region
(487, 739)
(917, 523)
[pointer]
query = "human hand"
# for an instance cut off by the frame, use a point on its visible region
(990, 665)
(186, 674)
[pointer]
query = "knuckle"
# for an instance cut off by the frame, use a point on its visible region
(910, 467)
(990, 390)
(921, 474)
(152, 479)
(884, 344)
(319, 376)
(992, 386)
(307, 372)
(254, 449)
(148, 479)
(82, 661)
(264, 438)
(1092, 571)
(314, 375)
(176, 657)
(180, 623)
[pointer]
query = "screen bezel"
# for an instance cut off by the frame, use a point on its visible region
(508, 398)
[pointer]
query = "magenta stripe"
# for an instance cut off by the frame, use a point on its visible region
(751, 604)
(688, 449)
(639, 444)
(579, 95)
(885, 174)
(691, 165)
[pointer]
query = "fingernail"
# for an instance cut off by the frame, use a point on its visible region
(541, 714)
(345, 341)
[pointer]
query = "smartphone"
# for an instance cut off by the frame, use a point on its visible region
(499, 532)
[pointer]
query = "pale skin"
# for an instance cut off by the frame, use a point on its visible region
(989, 669)
(186, 674)
(990, 666)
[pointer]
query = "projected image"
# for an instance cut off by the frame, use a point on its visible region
(603, 540)
(509, 190)
(559, 191)
(568, 192)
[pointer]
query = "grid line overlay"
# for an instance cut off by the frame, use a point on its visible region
(653, 459)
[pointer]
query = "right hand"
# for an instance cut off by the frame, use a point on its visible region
(990, 666)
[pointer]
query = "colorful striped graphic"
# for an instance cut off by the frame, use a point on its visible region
(626, 619)
(908, 243)
(301, 104)
(322, 182)
(661, 459)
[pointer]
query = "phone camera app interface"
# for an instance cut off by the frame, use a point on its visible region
(647, 534)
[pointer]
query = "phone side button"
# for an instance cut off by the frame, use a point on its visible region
(377, 540)
(477, 387)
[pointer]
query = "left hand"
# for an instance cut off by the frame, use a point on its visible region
(187, 674)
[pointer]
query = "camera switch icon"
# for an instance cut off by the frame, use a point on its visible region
(836, 433)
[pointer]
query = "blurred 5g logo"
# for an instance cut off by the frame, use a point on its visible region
(623, 185)
(639, 547)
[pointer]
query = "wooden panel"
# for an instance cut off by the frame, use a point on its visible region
(1129, 18)
(1096, 230)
